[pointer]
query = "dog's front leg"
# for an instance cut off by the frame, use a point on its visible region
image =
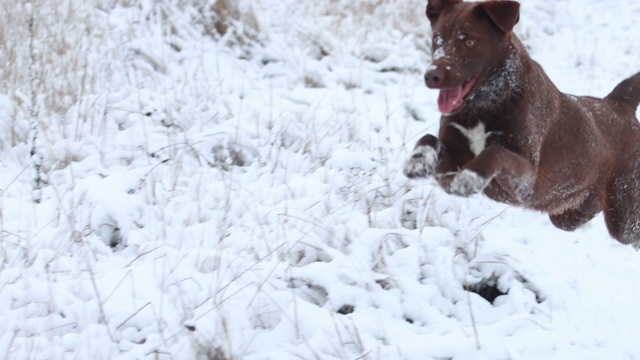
(423, 159)
(430, 157)
(512, 172)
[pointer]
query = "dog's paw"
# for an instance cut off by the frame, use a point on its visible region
(468, 183)
(422, 162)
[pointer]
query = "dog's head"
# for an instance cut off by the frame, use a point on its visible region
(470, 42)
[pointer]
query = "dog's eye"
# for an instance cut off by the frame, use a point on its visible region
(470, 43)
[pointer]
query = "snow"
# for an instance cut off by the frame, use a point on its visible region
(240, 195)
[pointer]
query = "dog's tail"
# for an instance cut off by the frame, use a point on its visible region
(627, 91)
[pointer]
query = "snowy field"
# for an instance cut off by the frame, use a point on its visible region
(221, 179)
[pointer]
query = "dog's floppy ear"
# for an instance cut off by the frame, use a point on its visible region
(435, 7)
(505, 14)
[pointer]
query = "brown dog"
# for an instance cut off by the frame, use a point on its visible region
(506, 130)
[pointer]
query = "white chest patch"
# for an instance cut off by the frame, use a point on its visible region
(477, 137)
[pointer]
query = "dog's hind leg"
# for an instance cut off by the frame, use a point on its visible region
(574, 218)
(622, 208)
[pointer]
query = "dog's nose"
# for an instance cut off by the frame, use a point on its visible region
(434, 77)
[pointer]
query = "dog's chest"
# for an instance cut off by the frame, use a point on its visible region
(476, 136)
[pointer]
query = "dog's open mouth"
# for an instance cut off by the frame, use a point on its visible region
(452, 99)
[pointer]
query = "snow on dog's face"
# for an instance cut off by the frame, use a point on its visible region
(470, 41)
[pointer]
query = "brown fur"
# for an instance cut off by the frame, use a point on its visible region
(516, 137)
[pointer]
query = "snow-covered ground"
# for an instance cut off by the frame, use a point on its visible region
(230, 187)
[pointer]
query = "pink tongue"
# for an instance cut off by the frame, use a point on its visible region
(450, 100)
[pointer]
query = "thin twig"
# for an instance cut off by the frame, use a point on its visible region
(132, 315)
(473, 321)
(36, 158)
(103, 316)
